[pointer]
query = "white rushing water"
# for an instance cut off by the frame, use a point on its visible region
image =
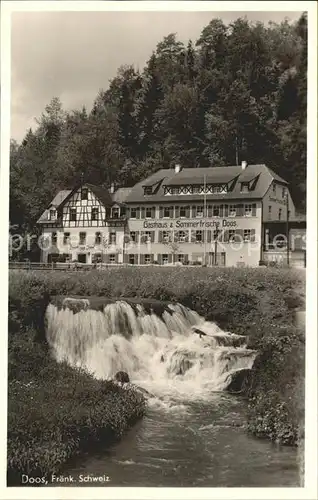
(178, 355)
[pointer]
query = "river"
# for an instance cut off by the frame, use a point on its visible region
(193, 433)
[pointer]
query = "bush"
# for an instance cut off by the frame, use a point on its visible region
(55, 411)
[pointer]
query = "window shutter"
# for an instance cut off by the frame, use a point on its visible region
(253, 235)
(153, 212)
(203, 236)
(186, 258)
(116, 258)
(152, 258)
(226, 210)
(160, 236)
(226, 236)
(107, 259)
(193, 239)
(176, 236)
(177, 212)
(239, 210)
(188, 212)
(209, 236)
(240, 234)
(210, 212)
(171, 212)
(142, 258)
(137, 213)
(142, 212)
(126, 258)
(152, 237)
(136, 258)
(160, 258)
(194, 211)
(170, 258)
(254, 209)
(221, 210)
(160, 212)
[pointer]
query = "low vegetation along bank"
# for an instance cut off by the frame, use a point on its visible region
(54, 411)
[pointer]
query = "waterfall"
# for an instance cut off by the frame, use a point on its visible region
(175, 352)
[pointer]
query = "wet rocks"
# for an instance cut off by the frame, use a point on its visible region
(122, 377)
(239, 381)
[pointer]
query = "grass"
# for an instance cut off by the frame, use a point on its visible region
(259, 303)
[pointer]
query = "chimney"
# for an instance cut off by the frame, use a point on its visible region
(177, 168)
(112, 188)
(244, 165)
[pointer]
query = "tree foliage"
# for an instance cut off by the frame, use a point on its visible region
(237, 93)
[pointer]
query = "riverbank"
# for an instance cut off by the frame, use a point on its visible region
(259, 303)
(56, 412)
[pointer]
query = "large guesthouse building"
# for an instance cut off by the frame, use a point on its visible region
(226, 216)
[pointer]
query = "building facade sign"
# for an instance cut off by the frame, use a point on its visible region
(190, 224)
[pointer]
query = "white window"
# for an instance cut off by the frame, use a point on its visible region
(232, 210)
(283, 192)
(84, 194)
(148, 213)
(147, 236)
(198, 236)
(98, 238)
(112, 238)
(112, 258)
(183, 212)
(73, 214)
(216, 211)
(232, 235)
(82, 238)
(166, 212)
(182, 236)
(199, 211)
(148, 190)
(52, 214)
(279, 214)
(115, 213)
(248, 210)
(244, 187)
(181, 257)
(66, 238)
(165, 259)
(95, 213)
(165, 236)
(54, 238)
(247, 235)
(133, 213)
(131, 259)
(133, 235)
(147, 259)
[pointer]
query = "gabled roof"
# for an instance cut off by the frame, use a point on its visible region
(102, 194)
(120, 195)
(212, 175)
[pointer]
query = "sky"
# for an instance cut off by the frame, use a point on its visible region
(72, 55)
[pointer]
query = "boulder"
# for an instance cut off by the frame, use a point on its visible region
(239, 381)
(122, 377)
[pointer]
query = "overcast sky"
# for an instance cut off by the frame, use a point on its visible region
(74, 54)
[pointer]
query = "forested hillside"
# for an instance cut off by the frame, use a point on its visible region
(237, 93)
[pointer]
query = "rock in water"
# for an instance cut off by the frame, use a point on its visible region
(239, 381)
(122, 377)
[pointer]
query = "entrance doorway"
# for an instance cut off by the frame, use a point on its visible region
(82, 258)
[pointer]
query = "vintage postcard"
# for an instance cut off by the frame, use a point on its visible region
(158, 191)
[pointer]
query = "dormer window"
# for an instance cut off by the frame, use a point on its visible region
(244, 187)
(84, 194)
(148, 190)
(52, 214)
